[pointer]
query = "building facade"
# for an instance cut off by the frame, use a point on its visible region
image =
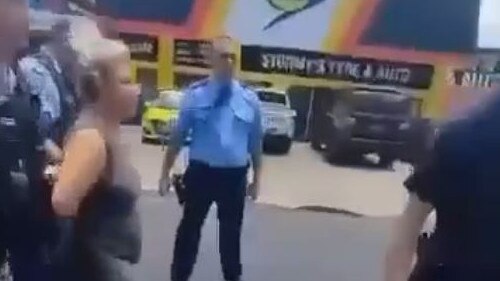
(423, 45)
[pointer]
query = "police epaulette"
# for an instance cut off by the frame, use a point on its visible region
(245, 85)
(197, 84)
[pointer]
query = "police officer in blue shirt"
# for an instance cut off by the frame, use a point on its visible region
(223, 120)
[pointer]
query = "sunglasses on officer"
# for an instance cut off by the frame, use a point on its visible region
(223, 57)
(227, 56)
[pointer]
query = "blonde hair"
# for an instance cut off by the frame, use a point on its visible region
(97, 58)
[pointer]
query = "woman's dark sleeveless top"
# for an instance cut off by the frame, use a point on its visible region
(108, 222)
(462, 182)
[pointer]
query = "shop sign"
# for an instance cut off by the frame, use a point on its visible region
(310, 64)
(142, 47)
(193, 53)
(471, 78)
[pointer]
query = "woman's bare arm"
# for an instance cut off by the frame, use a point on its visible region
(84, 161)
(403, 244)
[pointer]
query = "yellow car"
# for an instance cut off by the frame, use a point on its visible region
(160, 116)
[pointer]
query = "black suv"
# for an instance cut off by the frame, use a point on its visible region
(350, 123)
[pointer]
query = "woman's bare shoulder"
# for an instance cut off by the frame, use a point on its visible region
(89, 140)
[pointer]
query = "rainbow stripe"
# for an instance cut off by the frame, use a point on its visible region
(349, 20)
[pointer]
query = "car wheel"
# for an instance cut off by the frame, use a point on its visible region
(280, 148)
(335, 152)
(420, 143)
(316, 144)
(284, 147)
(145, 140)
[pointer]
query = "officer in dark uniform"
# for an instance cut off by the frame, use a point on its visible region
(50, 78)
(223, 120)
(21, 155)
(20, 171)
(459, 182)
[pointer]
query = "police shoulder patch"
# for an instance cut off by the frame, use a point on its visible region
(191, 94)
(245, 85)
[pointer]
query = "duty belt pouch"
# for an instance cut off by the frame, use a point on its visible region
(428, 266)
(180, 189)
(16, 191)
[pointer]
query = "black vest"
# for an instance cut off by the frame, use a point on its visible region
(67, 94)
(21, 160)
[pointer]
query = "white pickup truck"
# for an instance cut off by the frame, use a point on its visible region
(278, 120)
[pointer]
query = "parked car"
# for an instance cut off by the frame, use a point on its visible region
(367, 120)
(277, 120)
(160, 116)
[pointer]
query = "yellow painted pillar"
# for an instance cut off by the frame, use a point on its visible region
(133, 71)
(165, 69)
(436, 99)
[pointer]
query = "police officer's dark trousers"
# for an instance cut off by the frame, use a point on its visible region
(21, 167)
(204, 186)
(21, 233)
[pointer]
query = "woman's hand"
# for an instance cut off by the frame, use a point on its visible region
(253, 190)
(51, 173)
(53, 151)
(164, 185)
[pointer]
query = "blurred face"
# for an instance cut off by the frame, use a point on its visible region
(223, 60)
(120, 95)
(62, 46)
(14, 28)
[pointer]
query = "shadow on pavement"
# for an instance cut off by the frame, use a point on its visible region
(327, 210)
(277, 244)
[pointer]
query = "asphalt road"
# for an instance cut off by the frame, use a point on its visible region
(301, 179)
(278, 244)
(282, 244)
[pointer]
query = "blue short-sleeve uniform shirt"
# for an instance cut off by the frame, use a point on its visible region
(223, 133)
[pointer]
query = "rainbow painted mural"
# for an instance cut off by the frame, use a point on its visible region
(438, 33)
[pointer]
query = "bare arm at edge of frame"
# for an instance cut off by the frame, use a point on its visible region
(403, 244)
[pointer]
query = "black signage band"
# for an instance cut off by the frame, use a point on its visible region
(192, 53)
(142, 47)
(335, 67)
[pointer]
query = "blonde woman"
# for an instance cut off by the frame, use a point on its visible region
(97, 188)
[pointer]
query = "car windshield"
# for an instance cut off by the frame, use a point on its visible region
(272, 97)
(169, 100)
(381, 102)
